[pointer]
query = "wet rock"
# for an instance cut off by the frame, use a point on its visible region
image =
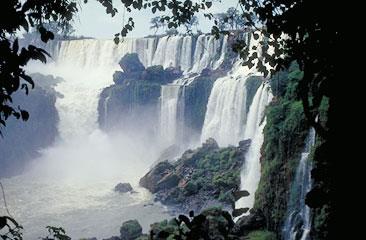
(254, 221)
(130, 63)
(123, 188)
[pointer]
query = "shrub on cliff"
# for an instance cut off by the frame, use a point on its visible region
(130, 230)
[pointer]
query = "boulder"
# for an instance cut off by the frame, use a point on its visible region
(168, 181)
(254, 221)
(123, 188)
(130, 63)
(153, 177)
(130, 230)
(119, 77)
(210, 144)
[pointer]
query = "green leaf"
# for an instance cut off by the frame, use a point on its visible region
(208, 4)
(25, 115)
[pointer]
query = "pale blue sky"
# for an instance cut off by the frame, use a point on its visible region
(94, 22)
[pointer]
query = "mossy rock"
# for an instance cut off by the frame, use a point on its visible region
(130, 230)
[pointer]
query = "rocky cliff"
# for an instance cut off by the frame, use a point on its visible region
(284, 138)
(21, 141)
(135, 95)
(200, 178)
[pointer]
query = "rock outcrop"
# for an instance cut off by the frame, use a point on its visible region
(22, 140)
(123, 188)
(200, 178)
(135, 95)
(130, 230)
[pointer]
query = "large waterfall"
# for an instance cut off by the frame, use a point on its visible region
(77, 174)
(191, 58)
(226, 109)
(298, 222)
(251, 172)
(170, 108)
(228, 122)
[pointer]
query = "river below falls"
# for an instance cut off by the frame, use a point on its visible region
(83, 209)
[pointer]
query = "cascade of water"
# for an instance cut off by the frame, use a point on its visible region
(186, 54)
(223, 53)
(169, 112)
(250, 174)
(298, 224)
(225, 115)
(227, 121)
(180, 51)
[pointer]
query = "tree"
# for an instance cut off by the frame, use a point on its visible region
(193, 22)
(155, 24)
(19, 15)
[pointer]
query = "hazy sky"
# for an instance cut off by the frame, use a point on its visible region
(94, 22)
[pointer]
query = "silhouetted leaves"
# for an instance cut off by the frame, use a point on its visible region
(17, 15)
(14, 230)
(56, 233)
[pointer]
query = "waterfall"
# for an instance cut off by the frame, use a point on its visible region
(96, 60)
(169, 112)
(226, 116)
(177, 52)
(227, 121)
(172, 109)
(297, 224)
(250, 174)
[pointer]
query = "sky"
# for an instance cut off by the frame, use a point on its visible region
(92, 21)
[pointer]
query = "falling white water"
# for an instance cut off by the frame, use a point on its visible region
(171, 110)
(177, 51)
(75, 177)
(250, 174)
(226, 109)
(298, 223)
(226, 116)
(168, 112)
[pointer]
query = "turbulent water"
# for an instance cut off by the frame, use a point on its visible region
(71, 184)
(298, 222)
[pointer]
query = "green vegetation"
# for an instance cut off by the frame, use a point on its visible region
(219, 170)
(208, 174)
(261, 235)
(284, 137)
(130, 230)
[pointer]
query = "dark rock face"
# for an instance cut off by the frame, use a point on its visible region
(135, 95)
(130, 230)
(254, 221)
(22, 140)
(123, 188)
(130, 63)
(152, 179)
(200, 178)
